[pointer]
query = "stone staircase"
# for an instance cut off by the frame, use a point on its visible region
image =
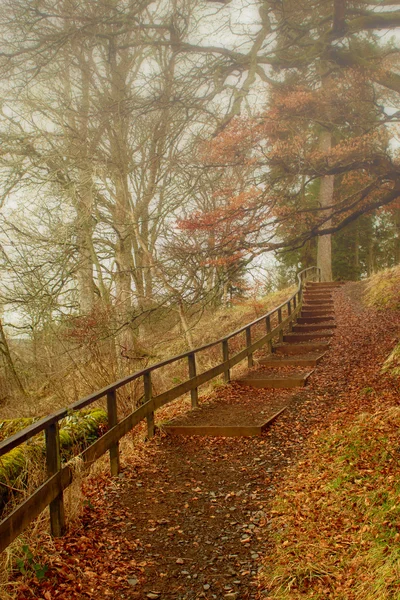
(304, 346)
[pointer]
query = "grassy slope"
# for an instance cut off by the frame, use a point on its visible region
(383, 291)
(338, 520)
(337, 525)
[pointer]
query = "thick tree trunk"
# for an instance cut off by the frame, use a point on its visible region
(371, 257)
(397, 237)
(77, 136)
(324, 248)
(357, 249)
(126, 339)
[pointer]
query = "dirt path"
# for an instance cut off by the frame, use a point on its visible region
(191, 518)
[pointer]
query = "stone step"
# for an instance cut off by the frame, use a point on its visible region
(313, 319)
(260, 379)
(308, 327)
(302, 360)
(301, 348)
(306, 337)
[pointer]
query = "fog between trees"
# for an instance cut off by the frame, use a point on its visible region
(151, 150)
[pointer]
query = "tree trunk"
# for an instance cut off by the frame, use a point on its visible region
(126, 339)
(324, 247)
(5, 351)
(84, 208)
(397, 237)
(370, 257)
(185, 325)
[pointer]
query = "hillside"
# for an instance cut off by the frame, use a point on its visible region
(233, 519)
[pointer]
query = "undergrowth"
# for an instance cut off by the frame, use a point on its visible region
(336, 525)
(26, 556)
(392, 363)
(83, 369)
(383, 292)
(383, 289)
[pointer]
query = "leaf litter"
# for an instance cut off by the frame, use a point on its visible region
(195, 517)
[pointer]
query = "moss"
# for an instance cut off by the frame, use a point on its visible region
(77, 431)
(10, 426)
(14, 468)
(80, 430)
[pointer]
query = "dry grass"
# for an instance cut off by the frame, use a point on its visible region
(67, 372)
(383, 289)
(211, 326)
(337, 523)
(383, 292)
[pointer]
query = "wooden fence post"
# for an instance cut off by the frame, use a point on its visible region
(289, 312)
(268, 327)
(250, 361)
(194, 394)
(112, 421)
(53, 464)
(279, 322)
(225, 358)
(147, 398)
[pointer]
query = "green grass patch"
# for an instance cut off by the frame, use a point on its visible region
(337, 523)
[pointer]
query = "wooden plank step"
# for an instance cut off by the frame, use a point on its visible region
(302, 360)
(316, 298)
(222, 430)
(308, 327)
(301, 348)
(323, 307)
(313, 319)
(319, 292)
(318, 304)
(317, 313)
(323, 285)
(307, 337)
(260, 379)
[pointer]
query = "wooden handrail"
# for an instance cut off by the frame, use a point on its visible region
(60, 477)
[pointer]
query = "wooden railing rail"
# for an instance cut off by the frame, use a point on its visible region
(60, 477)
